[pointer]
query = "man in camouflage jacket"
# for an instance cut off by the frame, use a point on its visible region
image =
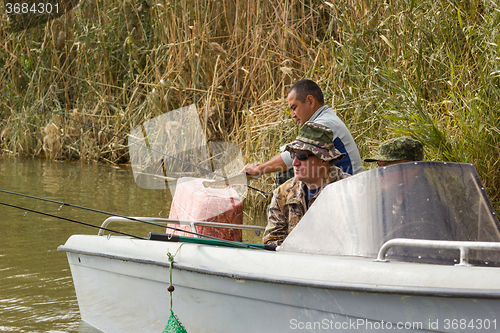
(313, 156)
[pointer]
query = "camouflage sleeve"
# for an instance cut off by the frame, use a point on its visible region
(277, 223)
(343, 175)
(337, 174)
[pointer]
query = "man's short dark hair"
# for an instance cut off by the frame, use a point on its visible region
(307, 87)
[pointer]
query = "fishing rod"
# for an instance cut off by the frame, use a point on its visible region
(62, 204)
(70, 220)
(136, 143)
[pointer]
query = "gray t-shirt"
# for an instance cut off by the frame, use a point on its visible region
(343, 141)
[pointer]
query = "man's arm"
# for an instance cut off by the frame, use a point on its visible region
(256, 170)
(277, 223)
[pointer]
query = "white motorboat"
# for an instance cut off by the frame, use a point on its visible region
(411, 247)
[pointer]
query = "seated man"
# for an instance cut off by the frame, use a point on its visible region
(398, 150)
(412, 208)
(313, 155)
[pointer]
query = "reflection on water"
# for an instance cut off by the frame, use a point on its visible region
(37, 293)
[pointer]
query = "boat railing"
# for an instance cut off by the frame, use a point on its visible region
(192, 224)
(463, 246)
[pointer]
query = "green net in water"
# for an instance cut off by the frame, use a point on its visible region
(174, 325)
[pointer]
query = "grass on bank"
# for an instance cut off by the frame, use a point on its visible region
(429, 69)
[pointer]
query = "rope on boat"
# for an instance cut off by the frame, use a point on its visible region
(173, 325)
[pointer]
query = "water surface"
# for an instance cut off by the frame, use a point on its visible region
(36, 291)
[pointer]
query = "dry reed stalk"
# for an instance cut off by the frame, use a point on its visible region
(427, 69)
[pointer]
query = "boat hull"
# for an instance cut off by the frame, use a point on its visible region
(122, 287)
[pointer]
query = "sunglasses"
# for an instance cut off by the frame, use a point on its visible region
(300, 156)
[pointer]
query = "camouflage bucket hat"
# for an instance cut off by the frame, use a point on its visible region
(403, 148)
(317, 139)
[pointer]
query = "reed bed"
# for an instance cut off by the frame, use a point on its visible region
(428, 69)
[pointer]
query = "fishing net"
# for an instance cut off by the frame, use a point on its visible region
(173, 324)
(173, 146)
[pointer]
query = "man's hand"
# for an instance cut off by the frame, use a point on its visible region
(253, 170)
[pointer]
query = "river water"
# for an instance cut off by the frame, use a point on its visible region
(36, 291)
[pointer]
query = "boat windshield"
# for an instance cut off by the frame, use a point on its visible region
(418, 200)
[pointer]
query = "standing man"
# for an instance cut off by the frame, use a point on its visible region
(313, 157)
(306, 102)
